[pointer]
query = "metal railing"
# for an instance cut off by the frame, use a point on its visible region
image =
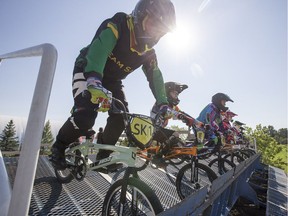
(222, 194)
(19, 203)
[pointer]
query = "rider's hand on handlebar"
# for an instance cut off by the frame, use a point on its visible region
(189, 121)
(164, 111)
(99, 95)
(185, 119)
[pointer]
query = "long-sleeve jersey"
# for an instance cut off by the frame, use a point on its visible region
(112, 55)
(155, 111)
(211, 115)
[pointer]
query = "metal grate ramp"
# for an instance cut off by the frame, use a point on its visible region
(85, 197)
(277, 193)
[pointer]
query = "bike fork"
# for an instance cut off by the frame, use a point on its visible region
(123, 194)
(221, 169)
(194, 170)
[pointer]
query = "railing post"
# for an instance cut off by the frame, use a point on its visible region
(26, 169)
(5, 188)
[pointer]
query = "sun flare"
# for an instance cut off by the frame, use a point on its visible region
(181, 38)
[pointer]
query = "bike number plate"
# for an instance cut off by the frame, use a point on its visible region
(142, 129)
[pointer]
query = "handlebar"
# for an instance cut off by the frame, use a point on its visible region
(184, 117)
(117, 106)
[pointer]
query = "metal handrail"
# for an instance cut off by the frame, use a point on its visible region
(5, 188)
(26, 169)
(223, 193)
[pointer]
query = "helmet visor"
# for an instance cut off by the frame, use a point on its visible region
(154, 28)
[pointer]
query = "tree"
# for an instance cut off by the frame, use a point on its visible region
(267, 145)
(8, 139)
(270, 130)
(47, 137)
(281, 136)
(183, 136)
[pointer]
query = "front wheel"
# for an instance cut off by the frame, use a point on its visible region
(176, 161)
(192, 178)
(223, 165)
(234, 157)
(140, 199)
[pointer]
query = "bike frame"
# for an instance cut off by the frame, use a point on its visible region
(174, 152)
(121, 154)
(78, 162)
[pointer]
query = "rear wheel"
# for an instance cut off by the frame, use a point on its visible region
(222, 166)
(234, 157)
(140, 199)
(250, 152)
(188, 182)
(245, 155)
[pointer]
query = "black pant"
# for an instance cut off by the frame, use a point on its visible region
(83, 116)
(115, 125)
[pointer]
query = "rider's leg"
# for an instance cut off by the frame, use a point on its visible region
(115, 125)
(77, 125)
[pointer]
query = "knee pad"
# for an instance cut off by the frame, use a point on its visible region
(83, 120)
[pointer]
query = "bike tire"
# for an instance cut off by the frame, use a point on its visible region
(227, 165)
(234, 157)
(244, 154)
(251, 152)
(184, 185)
(176, 161)
(145, 197)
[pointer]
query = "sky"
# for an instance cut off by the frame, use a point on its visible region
(238, 47)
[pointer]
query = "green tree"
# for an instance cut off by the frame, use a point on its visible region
(270, 130)
(181, 135)
(8, 139)
(47, 137)
(281, 136)
(267, 145)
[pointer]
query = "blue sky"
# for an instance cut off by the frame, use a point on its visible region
(238, 47)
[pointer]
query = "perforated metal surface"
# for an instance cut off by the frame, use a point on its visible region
(86, 197)
(277, 194)
(76, 198)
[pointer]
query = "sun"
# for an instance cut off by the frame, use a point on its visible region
(182, 38)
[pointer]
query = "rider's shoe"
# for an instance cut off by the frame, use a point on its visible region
(159, 162)
(110, 168)
(169, 144)
(57, 157)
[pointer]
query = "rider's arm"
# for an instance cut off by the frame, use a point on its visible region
(177, 109)
(100, 48)
(155, 78)
(211, 120)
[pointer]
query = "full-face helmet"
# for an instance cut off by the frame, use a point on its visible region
(217, 101)
(228, 115)
(159, 15)
(238, 125)
(174, 87)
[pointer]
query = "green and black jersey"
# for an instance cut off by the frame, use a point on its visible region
(112, 55)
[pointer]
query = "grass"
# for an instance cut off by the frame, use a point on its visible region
(283, 155)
